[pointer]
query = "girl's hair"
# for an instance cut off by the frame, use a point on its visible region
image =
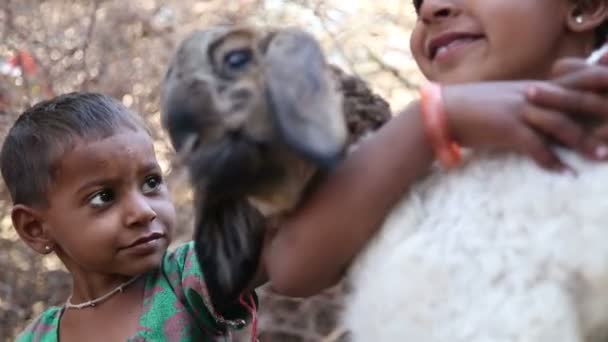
(601, 33)
(44, 132)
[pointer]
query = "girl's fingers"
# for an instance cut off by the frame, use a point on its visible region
(595, 148)
(597, 143)
(590, 78)
(568, 100)
(601, 133)
(535, 146)
(564, 129)
(567, 65)
(555, 125)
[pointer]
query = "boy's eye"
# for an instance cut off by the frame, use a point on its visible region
(152, 184)
(101, 198)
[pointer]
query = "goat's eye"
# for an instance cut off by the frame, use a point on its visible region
(238, 60)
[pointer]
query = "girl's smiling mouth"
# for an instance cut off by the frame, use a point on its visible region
(443, 46)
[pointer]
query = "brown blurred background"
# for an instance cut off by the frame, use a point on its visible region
(121, 48)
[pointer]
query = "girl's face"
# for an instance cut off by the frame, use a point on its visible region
(480, 40)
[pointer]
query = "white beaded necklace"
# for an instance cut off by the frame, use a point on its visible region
(93, 302)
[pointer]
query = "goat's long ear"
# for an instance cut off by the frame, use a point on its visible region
(303, 97)
(228, 241)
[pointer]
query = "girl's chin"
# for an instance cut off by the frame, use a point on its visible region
(459, 76)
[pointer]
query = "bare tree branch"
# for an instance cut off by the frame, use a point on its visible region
(8, 14)
(391, 70)
(87, 41)
(335, 41)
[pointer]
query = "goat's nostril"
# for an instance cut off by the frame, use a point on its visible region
(191, 143)
(241, 94)
(235, 133)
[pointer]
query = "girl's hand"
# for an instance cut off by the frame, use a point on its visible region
(582, 88)
(499, 114)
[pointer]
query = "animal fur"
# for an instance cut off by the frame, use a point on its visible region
(498, 250)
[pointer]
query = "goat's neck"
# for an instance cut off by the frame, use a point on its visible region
(288, 191)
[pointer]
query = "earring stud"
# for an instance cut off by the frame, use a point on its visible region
(578, 19)
(47, 248)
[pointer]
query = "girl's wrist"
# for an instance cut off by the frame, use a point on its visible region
(437, 126)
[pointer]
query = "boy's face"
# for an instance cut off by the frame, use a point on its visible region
(478, 40)
(109, 211)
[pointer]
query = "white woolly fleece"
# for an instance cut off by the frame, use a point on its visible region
(498, 250)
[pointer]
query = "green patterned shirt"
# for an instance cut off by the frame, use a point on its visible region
(176, 307)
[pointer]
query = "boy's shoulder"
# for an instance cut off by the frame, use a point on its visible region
(182, 250)
(182, 276)
(180, 257)
(43, 328)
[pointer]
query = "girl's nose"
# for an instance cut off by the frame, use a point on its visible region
(437, 10)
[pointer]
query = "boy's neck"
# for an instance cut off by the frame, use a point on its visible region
(91, 286)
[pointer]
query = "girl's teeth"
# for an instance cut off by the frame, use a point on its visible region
(444, 48)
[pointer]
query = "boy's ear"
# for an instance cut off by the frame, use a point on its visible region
(587, 15)
(29, 225)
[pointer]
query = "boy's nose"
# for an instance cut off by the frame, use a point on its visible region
(138, 211)
(437, 10)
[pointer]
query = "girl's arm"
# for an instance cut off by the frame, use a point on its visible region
(316, 243)
(313, 247)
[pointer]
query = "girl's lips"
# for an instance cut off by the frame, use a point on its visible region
(443, 45)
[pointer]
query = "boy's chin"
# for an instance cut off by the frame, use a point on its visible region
(143, 264)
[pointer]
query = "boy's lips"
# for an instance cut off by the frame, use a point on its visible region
(440, 45)
(145, 239)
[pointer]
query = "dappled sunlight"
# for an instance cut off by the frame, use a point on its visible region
(6, 229)
(52, 263)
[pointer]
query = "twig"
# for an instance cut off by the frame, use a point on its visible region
(26, 81)
(10, 26)
(43, 72)
(8, 14)
(335, 40)
(87, 41)
(335, 335)
(391, 70)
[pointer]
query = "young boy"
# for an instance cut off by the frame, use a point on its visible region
(82, 173)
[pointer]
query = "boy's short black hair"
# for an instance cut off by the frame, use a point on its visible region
(44, 132)
(601, 33)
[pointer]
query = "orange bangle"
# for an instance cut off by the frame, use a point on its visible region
(435, 123)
